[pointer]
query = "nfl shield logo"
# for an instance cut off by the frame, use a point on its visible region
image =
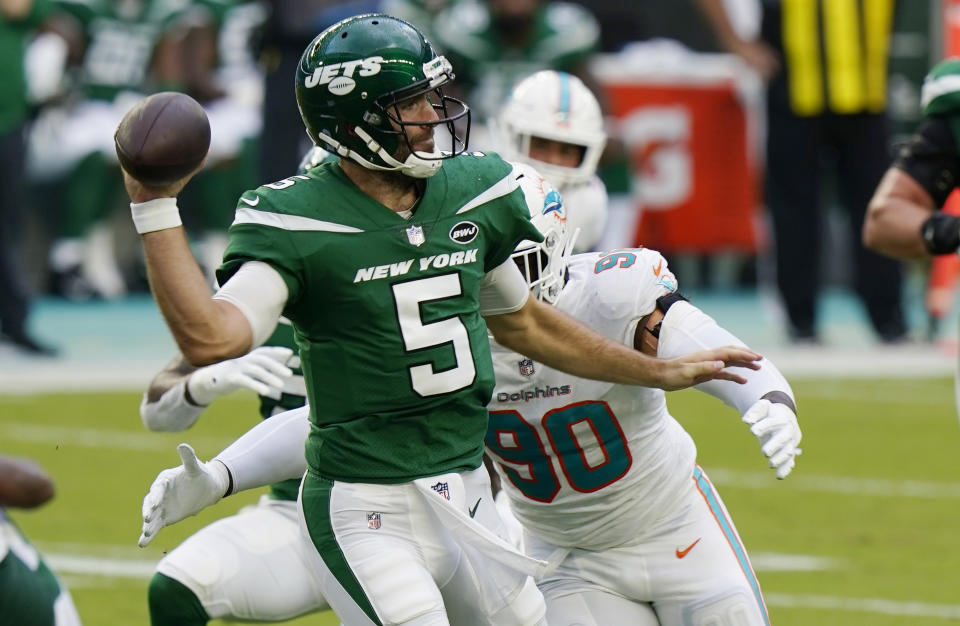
(442, 489)
(415, 235)
(526, 367)
(373, 521)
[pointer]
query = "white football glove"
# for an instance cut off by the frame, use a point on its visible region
(263, 370)
(775, 425)
(179, 492)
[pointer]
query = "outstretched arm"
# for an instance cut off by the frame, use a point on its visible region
(180, 392)
(269, 452)
(765, 400)
(545, 334)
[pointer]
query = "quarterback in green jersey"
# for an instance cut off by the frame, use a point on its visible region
(392, 264)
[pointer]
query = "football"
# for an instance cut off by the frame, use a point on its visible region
(163, 138)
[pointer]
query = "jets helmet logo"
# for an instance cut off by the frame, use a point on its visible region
(339, 76)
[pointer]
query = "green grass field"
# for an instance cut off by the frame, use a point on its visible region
(861, 533)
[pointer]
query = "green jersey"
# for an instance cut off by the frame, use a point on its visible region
(120, 41)
(13, 44)
(386, 310)
(563, 36)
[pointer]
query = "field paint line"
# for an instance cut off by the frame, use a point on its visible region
(778, 562)
(151, 442)
(844, 485)
(102, 438)
(74, 569)
(863, 605)
(878, 397)
(79, 565)
(93, 566)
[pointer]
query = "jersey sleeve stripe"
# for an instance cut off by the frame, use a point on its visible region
(289, 222)
(499, 189)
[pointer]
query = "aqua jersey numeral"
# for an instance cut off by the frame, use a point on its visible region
(585, 437)
(409, 296)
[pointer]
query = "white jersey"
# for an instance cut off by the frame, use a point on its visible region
(586, 205)
(588, 463)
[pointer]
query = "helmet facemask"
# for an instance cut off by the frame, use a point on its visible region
(386, 117)
(544, 264)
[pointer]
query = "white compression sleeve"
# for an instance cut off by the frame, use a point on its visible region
(170, 413)
(269, 452)
(686, 329)
(503, 290)
(260, 293)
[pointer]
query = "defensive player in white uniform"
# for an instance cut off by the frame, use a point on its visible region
(552, 121)
(604, 473)
(600, 475)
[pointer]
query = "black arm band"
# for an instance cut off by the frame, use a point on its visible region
(664, 303)
(779, 397)
(941, 233)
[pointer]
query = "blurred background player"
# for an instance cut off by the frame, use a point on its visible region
(259, 539)
(908, 217)
(598, 472)
(495, 43)
(30, 593)
(216, 46)
(904, 219)
(19, 20)
(117, 51)
(552, 121)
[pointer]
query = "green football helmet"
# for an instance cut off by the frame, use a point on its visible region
(940, 94)
(350, 81)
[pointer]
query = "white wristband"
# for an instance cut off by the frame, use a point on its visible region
(156, 214)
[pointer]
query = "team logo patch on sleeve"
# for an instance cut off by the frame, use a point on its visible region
(373, 521)
(443, 489)
(526, 367)
(464, 232)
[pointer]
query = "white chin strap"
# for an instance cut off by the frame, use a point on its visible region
(412, 166)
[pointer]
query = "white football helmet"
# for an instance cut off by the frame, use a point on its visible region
(544, 263)
(558, 106)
